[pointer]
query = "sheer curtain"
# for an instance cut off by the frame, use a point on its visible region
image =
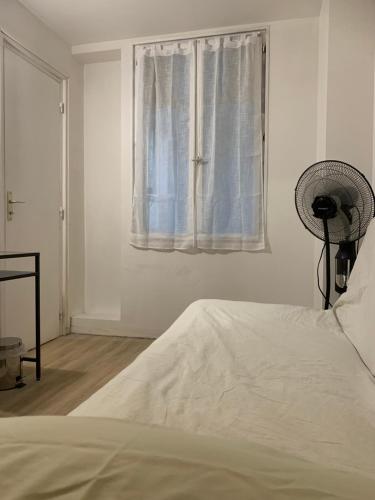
(164, 146)
(199, 100)
(230, 212)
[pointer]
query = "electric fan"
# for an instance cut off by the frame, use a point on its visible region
(335, 203)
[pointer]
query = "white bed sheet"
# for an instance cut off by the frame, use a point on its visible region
(282, 376)
(60, 458)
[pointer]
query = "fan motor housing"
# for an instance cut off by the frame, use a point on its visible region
(324, 207)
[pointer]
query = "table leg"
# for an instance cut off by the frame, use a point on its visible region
(37, 316)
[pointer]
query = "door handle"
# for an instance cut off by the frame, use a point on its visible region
(10, 203)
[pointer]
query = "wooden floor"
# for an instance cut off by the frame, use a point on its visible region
(74, 367)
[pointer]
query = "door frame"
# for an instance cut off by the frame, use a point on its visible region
(7, 41)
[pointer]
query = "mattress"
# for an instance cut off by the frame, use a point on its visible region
(284, 377)
(97, 459)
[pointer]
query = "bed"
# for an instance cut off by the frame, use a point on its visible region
(285, 377)
(236, 400)
(291, 381)
(63, 458)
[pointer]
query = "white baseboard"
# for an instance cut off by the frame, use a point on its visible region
(96, 325)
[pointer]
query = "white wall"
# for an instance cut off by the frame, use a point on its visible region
(351, 82)
(373, 133)
(323, 80)
(321, 146)
(320, 106)
(34, 35)
(346, 90)
(157, 286)
(102, 139)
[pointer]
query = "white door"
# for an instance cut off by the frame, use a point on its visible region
(33, 175)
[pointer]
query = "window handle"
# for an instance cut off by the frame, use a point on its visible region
(198, 160)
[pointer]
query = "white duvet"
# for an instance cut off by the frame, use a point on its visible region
(282, 376)
(60, 458)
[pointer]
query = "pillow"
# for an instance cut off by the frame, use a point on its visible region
(355, 310)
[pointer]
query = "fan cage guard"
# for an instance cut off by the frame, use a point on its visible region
(349, 187)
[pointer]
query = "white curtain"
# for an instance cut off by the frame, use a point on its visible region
(164, 146)
(230, 212)
(214, 113)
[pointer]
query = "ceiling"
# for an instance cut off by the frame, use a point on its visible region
(84, 21)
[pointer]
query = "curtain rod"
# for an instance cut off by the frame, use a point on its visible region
(190, 39)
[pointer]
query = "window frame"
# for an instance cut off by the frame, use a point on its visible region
(195, 36)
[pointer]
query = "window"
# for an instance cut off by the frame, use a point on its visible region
(198, 157)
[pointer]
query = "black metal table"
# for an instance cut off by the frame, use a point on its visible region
(14, 275)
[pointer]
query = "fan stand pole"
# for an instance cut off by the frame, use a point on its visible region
(328, 264)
